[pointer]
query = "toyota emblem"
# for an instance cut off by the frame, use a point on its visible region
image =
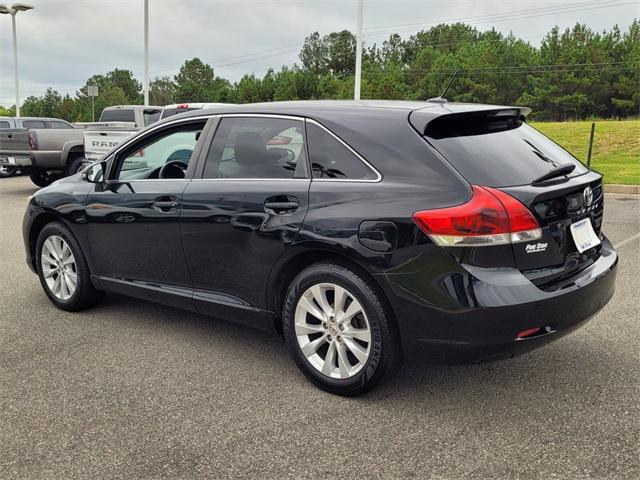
(587, 195)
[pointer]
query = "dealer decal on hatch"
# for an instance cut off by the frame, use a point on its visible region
(536, 247)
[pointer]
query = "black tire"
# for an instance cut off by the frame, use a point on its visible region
(42, 179)
(73, 165)
(6, 171)
(85, 294)
(385, 355)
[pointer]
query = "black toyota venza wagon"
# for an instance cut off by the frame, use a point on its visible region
(353, 229)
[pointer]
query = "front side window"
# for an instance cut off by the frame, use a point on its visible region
(331, 159)
(172, 149)
(4, 124)
(257, 147)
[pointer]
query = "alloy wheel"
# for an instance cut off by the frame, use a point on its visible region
(59, 267)
(332, 330)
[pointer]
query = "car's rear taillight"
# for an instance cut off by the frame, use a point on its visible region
(33, 142)
(491, 217)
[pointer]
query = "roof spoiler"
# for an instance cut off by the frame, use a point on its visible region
(419, 119)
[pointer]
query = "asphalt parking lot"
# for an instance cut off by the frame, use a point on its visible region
(135, 390)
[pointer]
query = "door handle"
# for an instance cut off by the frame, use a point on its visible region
(165, 204)
(281, 205)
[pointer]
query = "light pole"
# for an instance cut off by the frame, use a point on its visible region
(356, 92)
(13, 10)
(146, 53)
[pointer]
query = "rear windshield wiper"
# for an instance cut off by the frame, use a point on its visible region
(565, 169)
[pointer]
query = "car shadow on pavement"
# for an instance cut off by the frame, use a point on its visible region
(561, 369)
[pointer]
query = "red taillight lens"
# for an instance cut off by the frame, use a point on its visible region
(33, 143)
(491, 217)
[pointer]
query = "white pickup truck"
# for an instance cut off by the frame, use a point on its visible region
(116, 124)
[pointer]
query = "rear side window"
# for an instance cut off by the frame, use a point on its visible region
(497, 151)
(33, 124)
(257, 147)
(331, 159)
(4, 124)
(118, 115)
(55, 124)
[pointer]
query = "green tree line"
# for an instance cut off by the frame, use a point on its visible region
(573, 74)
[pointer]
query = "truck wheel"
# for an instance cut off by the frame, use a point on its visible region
(6, 171)
(74, 164)
(42, 179)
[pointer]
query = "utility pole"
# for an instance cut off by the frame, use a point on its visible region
(356, 93)
(146, 53)
(13, 10)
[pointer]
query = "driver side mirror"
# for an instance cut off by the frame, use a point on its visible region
(95, 173)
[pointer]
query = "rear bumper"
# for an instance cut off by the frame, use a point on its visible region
(488, 308)
(15, 160)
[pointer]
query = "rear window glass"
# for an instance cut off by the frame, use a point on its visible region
(330, 158)
(497, 151)
(33, 124)
(170, 112)
(118, 115)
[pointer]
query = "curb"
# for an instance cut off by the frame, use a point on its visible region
(626, 189)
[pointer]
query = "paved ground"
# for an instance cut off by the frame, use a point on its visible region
(135, 390)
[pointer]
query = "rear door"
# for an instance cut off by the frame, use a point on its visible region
(498, 149)
(243, 211)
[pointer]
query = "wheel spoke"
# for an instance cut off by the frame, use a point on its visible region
(359, 351)
(343, 361)
(320, 296)
(49, 272)
(329, 359)
(312, 347)
(351, 312)
(308, 329)
(340, 297)
(360, 333)
(311, 308)
(70, 287)
(57, 286)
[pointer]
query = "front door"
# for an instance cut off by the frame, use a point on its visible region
(133, 222)
(244, 211)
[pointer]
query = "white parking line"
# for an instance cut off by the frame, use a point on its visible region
(628, 240)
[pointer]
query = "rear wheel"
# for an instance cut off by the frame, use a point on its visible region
(338, 329)
(63, 270)
(74, 164)
(42, 178)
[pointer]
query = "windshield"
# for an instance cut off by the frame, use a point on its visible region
(497, 152)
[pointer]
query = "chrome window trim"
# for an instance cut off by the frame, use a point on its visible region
(356, 154)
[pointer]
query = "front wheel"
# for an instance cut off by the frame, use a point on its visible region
(63, 270)
(338, 329)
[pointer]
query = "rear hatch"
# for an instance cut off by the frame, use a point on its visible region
(496, 148)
